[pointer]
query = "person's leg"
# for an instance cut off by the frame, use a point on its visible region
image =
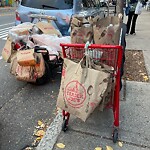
(129, 21)
(133, 23)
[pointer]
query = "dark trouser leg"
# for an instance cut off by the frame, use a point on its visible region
(129, 20)
(133, 23)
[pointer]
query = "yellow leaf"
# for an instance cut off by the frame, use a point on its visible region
(120, 144)
(40, 133)
(60, 145)
(40, 123)
(39, 138)
(109, 148)
(43, 125)
(145, 78)
(98, 148)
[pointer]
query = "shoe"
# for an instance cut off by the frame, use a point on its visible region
(127, 34)
(133, 33)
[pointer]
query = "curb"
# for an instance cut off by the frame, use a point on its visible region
(52, 133)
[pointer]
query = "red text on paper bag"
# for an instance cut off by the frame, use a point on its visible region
(75, 94)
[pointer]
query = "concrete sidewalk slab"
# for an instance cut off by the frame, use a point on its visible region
(134, 123)
(141, 40)
(79, 141)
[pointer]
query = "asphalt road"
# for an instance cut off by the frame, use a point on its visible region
(21, 104)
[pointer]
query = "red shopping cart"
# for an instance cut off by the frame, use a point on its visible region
(110, 55)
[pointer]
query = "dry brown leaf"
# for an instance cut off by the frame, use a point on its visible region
(40, 123)
(109, 148)
(40, 133)
(98, 148)
(120, 144)
(60, 145)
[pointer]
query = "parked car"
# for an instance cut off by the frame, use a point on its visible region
(61, 9)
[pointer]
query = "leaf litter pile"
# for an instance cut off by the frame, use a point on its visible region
(134, 68)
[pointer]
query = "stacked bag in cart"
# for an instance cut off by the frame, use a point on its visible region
(88, 84)
(107, 30)
(83, 86)
(27, 65)
(96, 30)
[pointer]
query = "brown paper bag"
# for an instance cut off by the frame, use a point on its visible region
(81, 89)
(47, 28)
(13, 65)
(107, 30)
(7, 51)
(26, 73)
(81, 30)
(82, 34)
(26, 57)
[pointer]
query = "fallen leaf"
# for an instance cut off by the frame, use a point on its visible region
(43, 125)
(109, 148)
(60, 145)
(98, 148)
(120, 144)
(40, 122)
(142, 74)
(40, 133)
(145, 78)
(39, 138)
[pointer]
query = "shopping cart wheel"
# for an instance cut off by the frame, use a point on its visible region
(64, 125)
(115, 135)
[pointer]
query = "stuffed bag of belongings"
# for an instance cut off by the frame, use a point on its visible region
(29, 48)
(88, 81)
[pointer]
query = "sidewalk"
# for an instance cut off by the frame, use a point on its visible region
(7, 9)
(134, 112)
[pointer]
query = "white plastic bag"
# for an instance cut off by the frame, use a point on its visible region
(138, 9)
(51, 41)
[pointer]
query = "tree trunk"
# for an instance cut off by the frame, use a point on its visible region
(119, 7)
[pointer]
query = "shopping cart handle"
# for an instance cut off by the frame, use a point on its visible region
(91, 46)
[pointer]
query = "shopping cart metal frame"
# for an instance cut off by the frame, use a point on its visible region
(115, 95)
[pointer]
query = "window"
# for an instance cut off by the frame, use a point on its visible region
(48, 4)
(91, 3)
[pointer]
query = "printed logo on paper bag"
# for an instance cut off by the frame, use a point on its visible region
(75, 94)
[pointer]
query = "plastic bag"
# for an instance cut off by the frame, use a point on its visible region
(138, 9)
(51, 41)
(18, 34)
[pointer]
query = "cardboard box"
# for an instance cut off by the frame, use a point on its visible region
(26, 57)
(48, 28)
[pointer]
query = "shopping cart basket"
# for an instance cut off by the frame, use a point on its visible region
(110, 55)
